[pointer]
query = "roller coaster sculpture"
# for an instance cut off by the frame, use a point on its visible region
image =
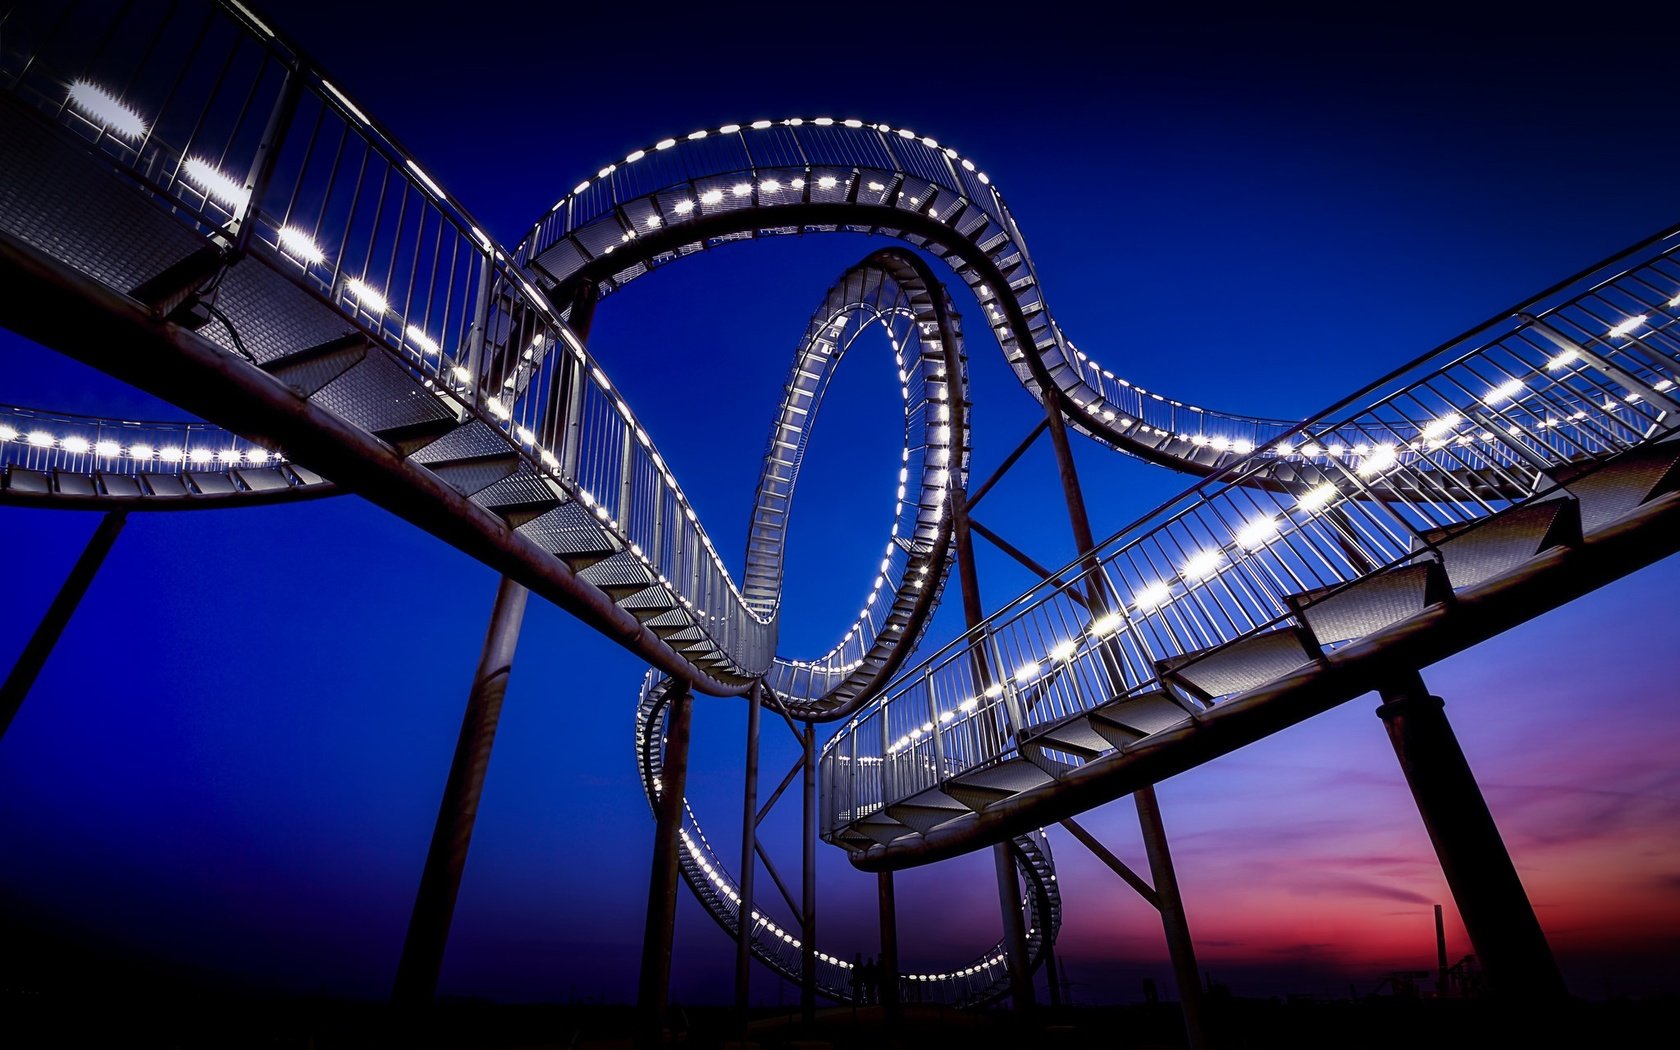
(234, 234)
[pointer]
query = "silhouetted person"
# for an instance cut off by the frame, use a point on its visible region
(871, 981)
(857, 979)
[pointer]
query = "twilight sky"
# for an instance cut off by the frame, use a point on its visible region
(233, 761)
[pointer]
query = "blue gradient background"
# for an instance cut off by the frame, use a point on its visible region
(232, 763)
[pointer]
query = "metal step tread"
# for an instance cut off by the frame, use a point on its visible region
(1368, 605)
(1240, 665)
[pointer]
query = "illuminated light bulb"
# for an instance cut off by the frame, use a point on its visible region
(141, 451)
(1103, 626)
(228, 456)
(1381, 458)
(742, 189)
(201, 455)
(760, 125)
(712, 197)
(1662, 384)
(729, 129)
(1362, 449)
(420, 339)
(608, 170)
(1504, 392)
(1242, 446)
(877, 187)
(1199, 440)
(696, 136)
(1627, 326)
(497, 408)
(461, 374)
(653, 222)
(75, 445)
(797, 184)
(683, 207)
(1563, 360)
(40, 439)
(1219, 444)
(1311, 449)
(969, 705)
(1336, 451)
(828, 182)
(525, 435)
(171, 453)
(1027, 671)
(1284, 448)
(1256, 532)
(665, 143)
(1064, 651)
(1441, 426)
(769, 185)
(1316, 498)
(300, 245)
(994, 690)
(100, 105)
(8, 433)
(1202, 565)
(215, 184)
(1151, 597)
(257, 456)
(108, 449)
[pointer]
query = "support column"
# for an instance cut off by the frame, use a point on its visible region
(1490, 897)
(655, 981)
(1014, 928)
(440, 882)
(808, 892)
(53, 621)
(1171, 905)
(749, 836)
(888, 960)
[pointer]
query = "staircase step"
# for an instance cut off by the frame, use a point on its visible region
(650, 602)
(1372, 603)
(1629, 482)
(879, 827)
(926, 811)
(1074, 736)
(1240, 665)
(994, 783)
(310, 369)
(1500, 543)
(520, 497)
(409, 438)
(620, 575)
(469, 476)
(1134, 717)
(569, 531)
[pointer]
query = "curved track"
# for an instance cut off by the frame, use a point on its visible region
(320, 293)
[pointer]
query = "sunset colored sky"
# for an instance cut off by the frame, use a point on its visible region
(232, 762)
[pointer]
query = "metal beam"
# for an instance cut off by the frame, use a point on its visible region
(1496, 911)
(749, 839)
(1179, 946)
(764, 811)
(1032, 566)
(1014, 928)
(808, 892)
(53, 621)
(657, 931)
(1115, 864)
(976, 494)
(775, 876)
(440, 880)
(889, 943)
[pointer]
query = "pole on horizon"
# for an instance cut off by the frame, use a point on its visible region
(440, 880)
(1491, 900)
(659, 929)
(53, 621)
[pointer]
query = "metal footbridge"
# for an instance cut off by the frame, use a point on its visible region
(190, 205)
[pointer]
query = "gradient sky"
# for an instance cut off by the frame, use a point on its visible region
(233, 761)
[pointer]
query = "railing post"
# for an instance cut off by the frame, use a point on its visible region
(267, 154)
(657, 932)
(440, 881)
(53, 621)
(749, 837)
(1490, 897)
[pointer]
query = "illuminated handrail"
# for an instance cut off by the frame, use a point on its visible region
(1583, 373)
(34, 439)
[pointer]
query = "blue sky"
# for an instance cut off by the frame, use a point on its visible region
(233, 761)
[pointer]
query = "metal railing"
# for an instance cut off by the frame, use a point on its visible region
(234, 131)
(59, 441)
(1476, 426)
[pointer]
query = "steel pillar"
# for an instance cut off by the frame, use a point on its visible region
(53, 621)
(808, 892)
(1490, 897)
(440, 882)
(888, 964)
(657, 932)
(1171, 905)
(1009, 897)
(749, 836)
